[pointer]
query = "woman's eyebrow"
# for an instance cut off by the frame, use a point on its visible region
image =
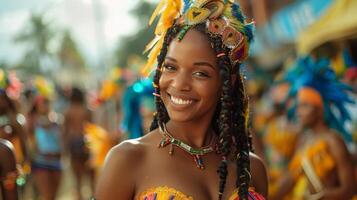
(204, 64)
(171, 59)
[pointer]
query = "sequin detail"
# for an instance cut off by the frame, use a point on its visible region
(167, 193)
(163, 193)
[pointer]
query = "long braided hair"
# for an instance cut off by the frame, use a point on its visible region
(230, 119)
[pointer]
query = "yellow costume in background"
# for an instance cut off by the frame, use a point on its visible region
(310, 165)
(279, 147)
(99, 144)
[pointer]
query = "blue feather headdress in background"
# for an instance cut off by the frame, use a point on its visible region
(318, 75)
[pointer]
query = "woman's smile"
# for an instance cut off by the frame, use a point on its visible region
(179, 101)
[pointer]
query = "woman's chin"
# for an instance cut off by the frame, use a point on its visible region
(180, 117)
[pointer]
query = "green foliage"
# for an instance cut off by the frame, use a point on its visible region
(69, 55)
(37, 36)
(135, 44)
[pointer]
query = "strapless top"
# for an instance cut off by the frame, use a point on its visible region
(167, 193)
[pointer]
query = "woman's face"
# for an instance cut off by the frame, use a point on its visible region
(44, 107)
(190, 81)
(308, 114)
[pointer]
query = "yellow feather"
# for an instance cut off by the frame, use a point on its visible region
(152, 56)
(152, 43)
(158, 10)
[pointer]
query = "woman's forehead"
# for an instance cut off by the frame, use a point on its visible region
(194, 46)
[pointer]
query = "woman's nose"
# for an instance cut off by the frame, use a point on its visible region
(181, 81)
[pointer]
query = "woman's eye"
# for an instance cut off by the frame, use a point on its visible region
(168, 67)
(201, 74)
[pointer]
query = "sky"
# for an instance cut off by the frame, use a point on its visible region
(78, 16)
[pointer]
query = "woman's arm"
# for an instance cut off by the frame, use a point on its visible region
(259, 175)
(347, 182)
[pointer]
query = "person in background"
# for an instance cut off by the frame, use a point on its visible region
(321, 166)
(132, 122)
(279, 139)
(11, 125)
(75, 117)
(8, 171)
(45, 136)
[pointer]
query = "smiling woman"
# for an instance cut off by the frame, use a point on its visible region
(190, 81)
(200, 127)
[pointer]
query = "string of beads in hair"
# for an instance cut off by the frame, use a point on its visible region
(241, 135)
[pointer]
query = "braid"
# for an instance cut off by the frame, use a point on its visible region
(243, 143)
(161, 116)
(232, 122)
(225, 112)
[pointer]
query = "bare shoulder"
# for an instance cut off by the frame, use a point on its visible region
(130, 150)
(337, 143)
(334, 139)
(121, 168)
(259, 174)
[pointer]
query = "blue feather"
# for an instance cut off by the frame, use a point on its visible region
(187, 5)
(237, 13)
(248, 30)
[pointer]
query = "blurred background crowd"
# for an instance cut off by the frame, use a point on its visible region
(71, 87)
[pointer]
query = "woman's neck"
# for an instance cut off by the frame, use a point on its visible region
(319, 127)
(195, 134)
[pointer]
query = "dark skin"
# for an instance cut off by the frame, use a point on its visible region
(134, 166)
(338, 184)
(17, 129)
(75, 117)
(7, 165)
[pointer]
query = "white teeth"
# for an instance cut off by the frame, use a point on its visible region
(180, 101)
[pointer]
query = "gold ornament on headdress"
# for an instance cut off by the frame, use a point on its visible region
(222, 18)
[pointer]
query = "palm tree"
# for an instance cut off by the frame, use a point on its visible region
(73, 67)
(135, 44)
(69, 55)
(37, 36)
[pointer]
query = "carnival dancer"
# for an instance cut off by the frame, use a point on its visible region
(321, 167)
(279, 136)
(11, 128)
(198, 147)
(76, 116)
(8, 171)
(45, 137)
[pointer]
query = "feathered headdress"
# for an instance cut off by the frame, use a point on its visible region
(44, 87)
(222, 17)
(318, 75)
(4, 81)
(10, 84)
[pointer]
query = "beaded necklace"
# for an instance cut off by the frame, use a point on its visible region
(196, 153)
